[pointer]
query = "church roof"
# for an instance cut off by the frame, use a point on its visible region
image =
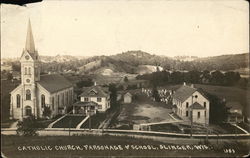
(94, 91)
(54, 82)
(183, 93)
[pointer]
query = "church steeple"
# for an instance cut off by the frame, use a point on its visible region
(30, 44)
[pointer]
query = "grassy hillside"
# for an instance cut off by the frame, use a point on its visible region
(226, 62)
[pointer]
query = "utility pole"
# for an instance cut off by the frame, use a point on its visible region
(69, 126)
(191, 133)
(89, 120)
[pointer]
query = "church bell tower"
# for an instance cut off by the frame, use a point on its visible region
(30, 72)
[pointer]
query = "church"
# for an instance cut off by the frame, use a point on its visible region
(38, 91)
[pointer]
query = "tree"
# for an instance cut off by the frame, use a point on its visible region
(155, 94)
(85, 83)
(9, 76)
(231, 78)
(218, 112)
(113, 95)
(29, 126)
(217, 77)
(47, 111)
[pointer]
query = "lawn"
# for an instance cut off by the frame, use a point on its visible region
(69, 122)
(171, 128)
(245, 126)
(224, 128)
(60, 147)
(95, 120)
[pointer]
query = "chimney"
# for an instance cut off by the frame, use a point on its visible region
(94, 83)
(192, 86)
(184, 83)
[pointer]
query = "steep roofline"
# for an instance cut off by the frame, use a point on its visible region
(15, 89)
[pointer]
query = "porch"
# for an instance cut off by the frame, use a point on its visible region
(85, 108)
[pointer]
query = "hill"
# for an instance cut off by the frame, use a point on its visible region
(225, 62)
(139, 62)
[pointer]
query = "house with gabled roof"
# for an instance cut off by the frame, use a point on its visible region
(97, 94)
(38, 91)
(191, 104)
(235, 112)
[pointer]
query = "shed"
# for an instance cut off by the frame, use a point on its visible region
(127, 98)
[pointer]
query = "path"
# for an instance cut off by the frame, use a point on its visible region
(106, 122)
(51, 124)
(14, 124)
(82, 122)
(240, 128)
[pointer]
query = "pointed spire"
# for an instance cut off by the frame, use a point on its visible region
(30, 44)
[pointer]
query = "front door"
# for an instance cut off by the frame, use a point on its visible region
(28, 111)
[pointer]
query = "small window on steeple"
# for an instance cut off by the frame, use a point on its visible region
(25, 70)
(29, 71)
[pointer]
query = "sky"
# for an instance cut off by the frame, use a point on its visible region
(162, 27)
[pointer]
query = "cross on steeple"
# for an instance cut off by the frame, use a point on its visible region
(30, 44)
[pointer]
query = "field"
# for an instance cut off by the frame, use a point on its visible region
(142, 110)
(69, 122)
(62, 146)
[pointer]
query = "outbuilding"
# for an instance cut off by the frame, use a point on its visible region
(127, 98)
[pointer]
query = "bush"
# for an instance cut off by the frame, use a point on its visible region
(29, 126)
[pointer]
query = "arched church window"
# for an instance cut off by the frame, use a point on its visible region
(63, 99)
(18, 98)
(28, 111)
(28, 94)
(58, 100)
(43, 100)
(67, 97)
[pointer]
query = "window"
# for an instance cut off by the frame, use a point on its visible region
(25, 70)
(29, 70)
(186, 113)
(18, 98)
(196, 96)
(67, 100)
(186, 104)
(99, 99)
(28, 94)
(53, 103)
(86, 99)
(28, 111)
(99, 106)
(205, 113)
(58, 100)
(205, 104)
(63, 99)
(199, 114)
(43, 100)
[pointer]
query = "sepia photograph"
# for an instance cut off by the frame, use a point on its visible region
(128, 78)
